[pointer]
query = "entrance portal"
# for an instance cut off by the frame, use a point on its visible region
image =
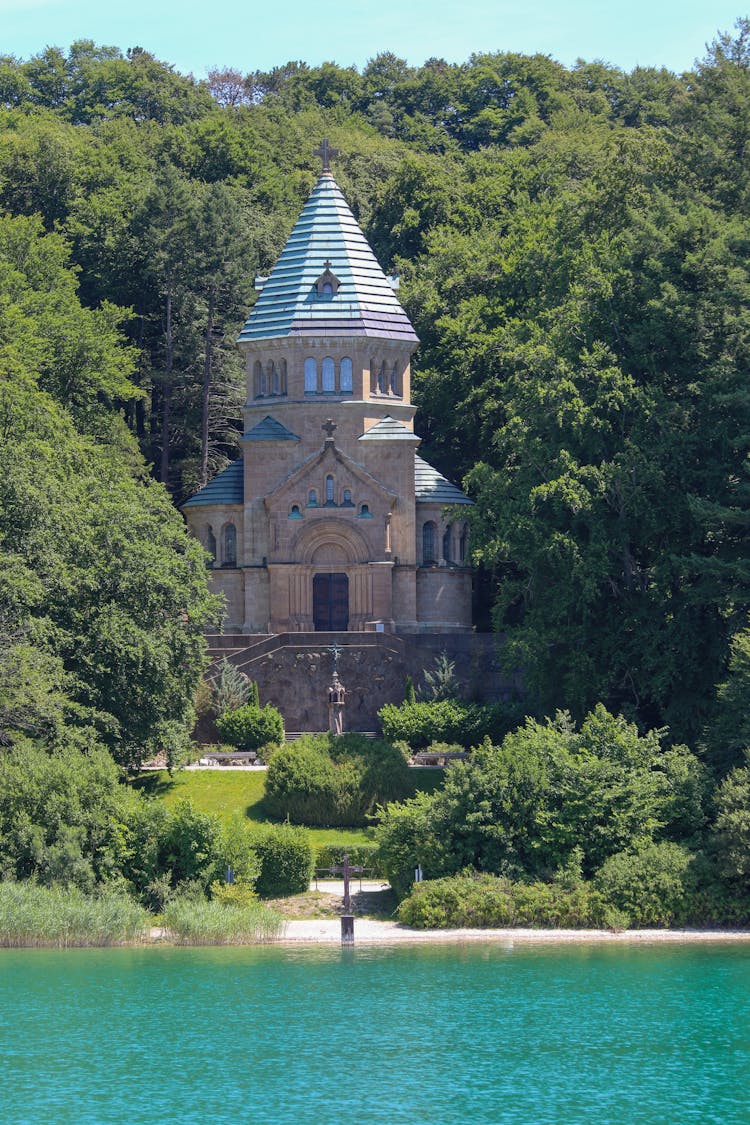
(331, 603)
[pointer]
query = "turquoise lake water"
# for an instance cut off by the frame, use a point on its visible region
(476, 1034)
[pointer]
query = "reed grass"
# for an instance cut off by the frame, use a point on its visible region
(206, 922)
(32, 916)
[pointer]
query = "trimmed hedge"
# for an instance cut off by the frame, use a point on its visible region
(447, 720)
(326, 781)
(286, 861)
(251, 727)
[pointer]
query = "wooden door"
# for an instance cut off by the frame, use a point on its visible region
(331, 603)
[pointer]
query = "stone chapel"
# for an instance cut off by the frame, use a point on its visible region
(330, 520)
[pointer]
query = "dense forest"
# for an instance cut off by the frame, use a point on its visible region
(573, 247)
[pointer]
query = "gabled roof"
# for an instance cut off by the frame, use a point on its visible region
(430, 486)
(327, 237)
(227, 487)
(388, 429)
(330, 453)
(269, 430)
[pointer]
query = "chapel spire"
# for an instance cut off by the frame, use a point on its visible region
(327, 280)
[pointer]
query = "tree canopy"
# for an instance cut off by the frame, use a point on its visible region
(573, 246)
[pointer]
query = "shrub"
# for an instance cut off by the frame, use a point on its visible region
(650, 885)
(236, 849)
(323, 780)
(62, 816)
(240, 893)
(201, 922)
(410, 834)
(251, 727)
(447, 720)
(477, 901)
(441, 682)
(419, 724)
(190, 847)
(286, 861)
(230, 688)
(732, 829)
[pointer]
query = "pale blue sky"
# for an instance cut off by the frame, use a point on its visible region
(195, 35)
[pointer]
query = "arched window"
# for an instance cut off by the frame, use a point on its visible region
(364, 512)
(311, 375)
(347, 499)
(282, 367)
(274, 379)
(383, 379)
(463, 543)
(295, 513)
(329, 490)
(263, 383)
(395, 389)
(329, 375)
(326, 289)
(346, 374)
(428, 543)
(230, 545)
(211, 545)
(312, 498)
(257, 373)
(447, 536)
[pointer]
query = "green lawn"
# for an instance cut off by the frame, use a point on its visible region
(224, 793)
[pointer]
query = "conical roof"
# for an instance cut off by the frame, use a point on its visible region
(360, 301)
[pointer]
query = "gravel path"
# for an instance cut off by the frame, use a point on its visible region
(370, 932)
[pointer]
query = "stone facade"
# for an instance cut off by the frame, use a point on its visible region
(330, 521)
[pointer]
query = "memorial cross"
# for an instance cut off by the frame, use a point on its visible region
(325, 152)
(346, 869)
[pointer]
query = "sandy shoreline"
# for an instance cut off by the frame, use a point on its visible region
(370, 932)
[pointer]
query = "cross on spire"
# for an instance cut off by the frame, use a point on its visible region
(329, 426)
(325, 152)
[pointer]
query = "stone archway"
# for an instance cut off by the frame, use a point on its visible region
(330, 541)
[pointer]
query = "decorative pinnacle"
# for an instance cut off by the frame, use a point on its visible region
(325, 152)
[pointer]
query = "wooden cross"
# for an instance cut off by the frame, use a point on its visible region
(325, 152)
(346, 869)
(329, 426)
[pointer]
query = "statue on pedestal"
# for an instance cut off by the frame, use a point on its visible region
(336, 699)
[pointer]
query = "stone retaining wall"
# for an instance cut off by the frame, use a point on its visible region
(293, 670)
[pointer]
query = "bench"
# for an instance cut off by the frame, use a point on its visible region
(236, 758)
(426, 758)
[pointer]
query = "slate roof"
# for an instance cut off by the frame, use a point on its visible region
(289, 303)
(269, 430)
(388, 429)
(432, 487)
(227, 487)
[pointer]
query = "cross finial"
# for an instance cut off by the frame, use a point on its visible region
(329, 426)
(325, 152)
